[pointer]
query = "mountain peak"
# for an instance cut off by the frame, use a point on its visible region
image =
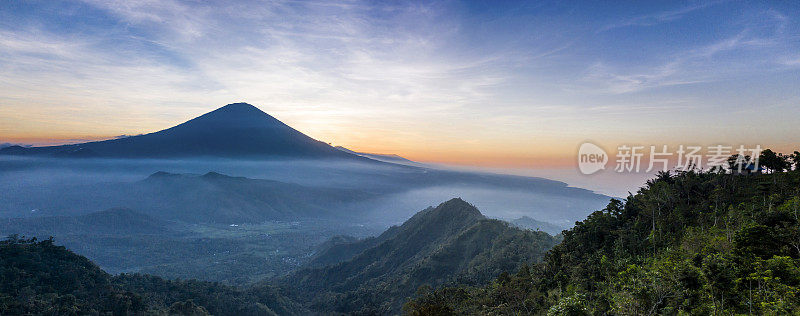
(236, 115)
(456, 202)
(458, 207)
(162, 174)
(236, 130)
(213, 175)
(241, 107)
(446, 218)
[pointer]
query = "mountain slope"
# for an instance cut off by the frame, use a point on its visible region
(391, 158)
(526, 222)
(117, 221)
(207, 198)
(339, 249)
(219, 198)
(237, 130)
(437, 245)
(693, 243)
(41, 278)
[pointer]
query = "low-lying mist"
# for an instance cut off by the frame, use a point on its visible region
(380, 191)
(240, 221)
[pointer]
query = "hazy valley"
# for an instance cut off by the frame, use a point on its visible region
(419, 158)
(239, 214)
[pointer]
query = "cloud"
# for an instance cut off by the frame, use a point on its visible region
(791, 61)
(324, 65)
(73, 80)
(186, 21)
(659, 17)
(696, 65)
(293, 48)
(386, 74)
(617, 83)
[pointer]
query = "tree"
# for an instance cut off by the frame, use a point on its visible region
(693, 243)
(772, 161)
(795, 157)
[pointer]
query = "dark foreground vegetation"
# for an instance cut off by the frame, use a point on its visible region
(692, 242)
(696, 243)
(452, 243)
(40, 278)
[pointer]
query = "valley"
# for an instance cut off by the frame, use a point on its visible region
(415, 158)
(122, 227)
(236, 217)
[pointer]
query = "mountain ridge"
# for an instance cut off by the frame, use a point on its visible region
(526, 222)
(236, 130)
(113, 221)
(234, 199)
(391, 158)
(435, 246)
(57, 281)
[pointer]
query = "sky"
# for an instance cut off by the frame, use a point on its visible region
(493, 84)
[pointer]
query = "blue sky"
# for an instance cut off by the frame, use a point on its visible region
(490, 83)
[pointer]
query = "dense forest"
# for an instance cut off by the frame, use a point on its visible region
(451, 243)
(690, 242)
(41, 278)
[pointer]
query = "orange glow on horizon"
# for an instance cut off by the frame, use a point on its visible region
(463, 157)
(495, 155)
(476, 157)
(53, 141)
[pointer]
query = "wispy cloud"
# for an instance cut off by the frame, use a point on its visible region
(791, 61)
(387, 74)
(616, 83)
(659, 17)
(326, 66)
(693, 65)
(184, 20)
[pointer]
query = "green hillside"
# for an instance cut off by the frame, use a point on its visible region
(450, 243)
(686, 243)
(38, 277)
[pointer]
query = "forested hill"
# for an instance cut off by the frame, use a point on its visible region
(40, 278)
(696, 243)
(452, 242)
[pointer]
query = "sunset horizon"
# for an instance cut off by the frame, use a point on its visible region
(516, 85)
(362, 157)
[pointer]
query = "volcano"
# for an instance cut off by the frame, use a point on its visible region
(237, 130)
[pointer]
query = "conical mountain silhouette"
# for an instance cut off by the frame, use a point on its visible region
(237, 130)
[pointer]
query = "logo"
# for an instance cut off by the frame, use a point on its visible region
(636, 158)
(591, 158)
